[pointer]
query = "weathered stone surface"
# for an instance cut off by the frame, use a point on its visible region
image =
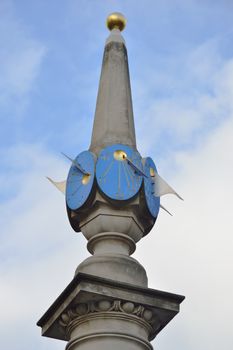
(108, 305)
(115, 267)
(114, 122)
(112, 232)
(97, 312)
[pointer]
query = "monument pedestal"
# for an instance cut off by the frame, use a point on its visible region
(98, 313)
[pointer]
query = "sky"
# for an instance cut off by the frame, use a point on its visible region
(181, 66)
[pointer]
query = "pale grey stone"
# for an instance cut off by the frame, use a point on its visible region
(108, 305)
(94, 312)
(114, 122)
(115, 35)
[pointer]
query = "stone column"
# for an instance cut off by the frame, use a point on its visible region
(112, 236)
(99, 313)
(108, 305)
(108, 324)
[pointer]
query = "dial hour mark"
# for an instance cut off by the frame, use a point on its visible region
(115, 176)
(79, 185)
(107, 170)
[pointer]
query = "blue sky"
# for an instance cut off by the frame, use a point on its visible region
(181, 66)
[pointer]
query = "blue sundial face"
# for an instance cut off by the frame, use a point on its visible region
(80, 180)
(116, 171)
(152, 202)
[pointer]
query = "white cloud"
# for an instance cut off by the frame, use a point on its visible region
(192, 251)
(200, 99)
(39, 251)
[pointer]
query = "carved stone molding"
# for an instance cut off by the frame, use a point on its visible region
(81, 311)
(104, 311)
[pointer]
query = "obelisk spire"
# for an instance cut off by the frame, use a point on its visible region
(114, 121)
(113, 199)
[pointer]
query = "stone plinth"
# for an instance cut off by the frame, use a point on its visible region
(97, 313)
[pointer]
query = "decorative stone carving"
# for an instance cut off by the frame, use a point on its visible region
(98, 313)
(83, 310)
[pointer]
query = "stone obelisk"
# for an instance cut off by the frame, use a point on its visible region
(108, 304)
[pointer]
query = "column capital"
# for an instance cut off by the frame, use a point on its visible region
(104, 311)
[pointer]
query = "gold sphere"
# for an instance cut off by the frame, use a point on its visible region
(116, 21)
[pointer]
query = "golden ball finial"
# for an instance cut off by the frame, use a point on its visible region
(116, 21)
